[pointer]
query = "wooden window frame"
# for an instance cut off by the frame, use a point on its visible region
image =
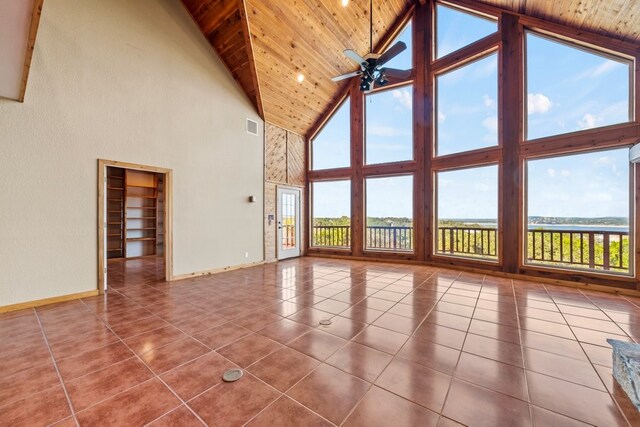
(511, 154)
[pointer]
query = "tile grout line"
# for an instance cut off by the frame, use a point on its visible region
(55, 365)
(154, 376)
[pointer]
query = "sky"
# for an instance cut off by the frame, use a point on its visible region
(567, 90)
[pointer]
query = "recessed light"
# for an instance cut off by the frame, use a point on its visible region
(300, 78)
(345, 3)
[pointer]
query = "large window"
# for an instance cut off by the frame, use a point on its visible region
(456, 29)
(331, 148)
(389, 212)
(467, 107)
(331, 213)
(570, 88)
(404, 61)
(389, 125)
(578, 211)
(467, 212)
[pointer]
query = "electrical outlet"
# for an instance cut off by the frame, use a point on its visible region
(246, 254)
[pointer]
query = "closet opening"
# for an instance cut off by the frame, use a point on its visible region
(134, 239)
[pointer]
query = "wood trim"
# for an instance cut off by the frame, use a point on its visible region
(587, 284)
(421, 124)
(168, 214)
(467, 54)
(585, 36)
(484, 156)
(588, 140)
(357, 160)
(329, 174)
(31, 44)
(510, 122)
(215, 271)
(396, 168)
(46, 301)
(246, 33)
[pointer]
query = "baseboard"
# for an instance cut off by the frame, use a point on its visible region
(46, 301)
(214, 271)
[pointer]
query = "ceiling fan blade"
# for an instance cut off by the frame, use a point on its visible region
(346, 76)
(353, 55)
(391, 53)
(396, 74)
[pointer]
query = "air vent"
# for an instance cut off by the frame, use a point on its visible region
(252, 127)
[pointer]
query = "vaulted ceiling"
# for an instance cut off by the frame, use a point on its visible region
(267, 43)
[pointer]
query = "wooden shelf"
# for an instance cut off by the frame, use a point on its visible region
(129, 196)
(141, 217)
(118, 211)
(114, 223)
(138, 229)
(114, 250)
(114, 235)
(140, 186)
(115, 177)
(115, 200)
(139, 239)
(115, 188)
(141, 207)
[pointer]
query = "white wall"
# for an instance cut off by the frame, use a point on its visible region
(133, 81)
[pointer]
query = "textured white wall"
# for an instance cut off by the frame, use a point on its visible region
(133, 81)
(15, 22)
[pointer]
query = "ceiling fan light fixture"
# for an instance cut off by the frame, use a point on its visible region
(345, 3)
(300, 78)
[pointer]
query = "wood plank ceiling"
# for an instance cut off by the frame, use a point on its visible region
(267, 43)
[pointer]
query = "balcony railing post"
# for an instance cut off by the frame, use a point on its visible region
(606, 259)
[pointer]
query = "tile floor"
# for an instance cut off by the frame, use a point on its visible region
(408, 345)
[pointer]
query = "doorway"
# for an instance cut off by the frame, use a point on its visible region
(288, 210)
(134, 223)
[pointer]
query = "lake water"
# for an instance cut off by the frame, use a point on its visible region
(614, 228)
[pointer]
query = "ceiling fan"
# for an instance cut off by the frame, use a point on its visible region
(372, 71)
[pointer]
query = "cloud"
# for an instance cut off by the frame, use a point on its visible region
(491, 124)
(565, 172)
(488, 101)
(604, 161)
(538, 103)
(441, 117)
(482, 187)
(588, 121)
(381, 130)
(404, 97)
(551, 172)
(605, 67)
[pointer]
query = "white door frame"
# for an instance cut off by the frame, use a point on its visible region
(297, 249)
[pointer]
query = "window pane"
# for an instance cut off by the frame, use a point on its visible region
(456, 29)
(331, 222)
(331, 148)
(467, 212)
(389, 125)
(404, 61)
(571, 89)
(467, 107)
(390, 213)
(578, 211)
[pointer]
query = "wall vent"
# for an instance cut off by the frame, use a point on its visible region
(252, 127)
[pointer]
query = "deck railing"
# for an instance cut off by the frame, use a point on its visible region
(475, 241)
(595, 249)
(331, 235)
(390, 238)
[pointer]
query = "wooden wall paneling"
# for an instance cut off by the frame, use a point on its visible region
(270, 227)
(296, 173)
(275, 154)
(358, 221)
(422, 126)
(511, 113)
